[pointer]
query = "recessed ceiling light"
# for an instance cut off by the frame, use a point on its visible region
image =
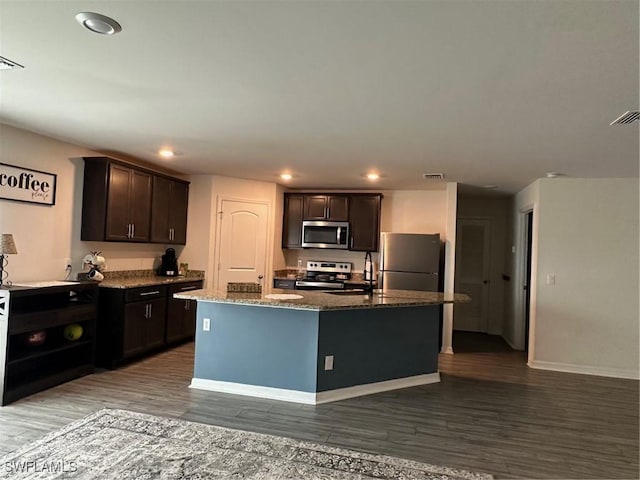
(98, 23)
(490, 187)
(552, 174)
(286, 176)
(372, 176)
(166, 153)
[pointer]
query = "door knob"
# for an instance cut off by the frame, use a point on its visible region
(260, 277)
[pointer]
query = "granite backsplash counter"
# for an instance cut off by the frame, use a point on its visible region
(143, 278)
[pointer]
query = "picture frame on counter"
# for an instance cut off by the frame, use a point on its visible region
(27, 185)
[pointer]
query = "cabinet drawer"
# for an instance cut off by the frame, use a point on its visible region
(284, 283)
(145, 293)
(185, 287)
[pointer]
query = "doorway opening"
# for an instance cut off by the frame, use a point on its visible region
(528, 225)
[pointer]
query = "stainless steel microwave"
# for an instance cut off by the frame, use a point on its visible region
(321, 234)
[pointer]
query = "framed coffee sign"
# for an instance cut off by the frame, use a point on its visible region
(26, 185)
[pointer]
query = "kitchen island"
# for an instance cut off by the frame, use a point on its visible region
(314, 346)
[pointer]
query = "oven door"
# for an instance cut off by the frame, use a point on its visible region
(306, 285)
(319, 234)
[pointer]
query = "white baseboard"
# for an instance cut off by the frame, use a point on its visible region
(369, 388)
(285, 395)
(312, 398)
(585, 369)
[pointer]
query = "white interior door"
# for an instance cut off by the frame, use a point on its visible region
(473, 266)
(242, 242)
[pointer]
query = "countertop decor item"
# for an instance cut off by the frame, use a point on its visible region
(96, 263)
(7, 247)
(114, 444)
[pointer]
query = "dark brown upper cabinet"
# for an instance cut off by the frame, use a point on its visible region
(116, 202)
(364, 222)
(169, 211)
(362, 211)
(292, 221)
(125, 203)
(326, 207)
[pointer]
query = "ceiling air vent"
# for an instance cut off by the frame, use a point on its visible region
(625, 118)
(433, 176)
(6, 64)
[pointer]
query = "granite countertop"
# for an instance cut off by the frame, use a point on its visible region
(145, 278)
(322, 300)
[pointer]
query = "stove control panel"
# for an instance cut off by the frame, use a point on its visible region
(329, 267)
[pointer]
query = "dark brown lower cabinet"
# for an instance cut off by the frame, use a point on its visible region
(181, 314)
(144, 326)
(133, 322)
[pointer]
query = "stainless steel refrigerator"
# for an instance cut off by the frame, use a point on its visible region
(410, 261)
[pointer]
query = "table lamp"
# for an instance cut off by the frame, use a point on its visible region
(7, 247)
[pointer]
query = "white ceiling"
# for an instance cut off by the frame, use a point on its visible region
(487, 92)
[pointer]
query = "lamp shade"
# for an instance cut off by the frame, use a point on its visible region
(7, 245)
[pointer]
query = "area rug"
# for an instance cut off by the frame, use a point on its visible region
(118, 444)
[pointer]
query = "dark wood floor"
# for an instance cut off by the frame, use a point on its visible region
(490, 413)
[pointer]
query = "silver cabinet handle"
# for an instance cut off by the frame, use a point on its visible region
(146, 311)
(186, 304)
(351, 242)
(143, 294)
(187, 288)
(128, 230)
(133, 230)
(150, 305)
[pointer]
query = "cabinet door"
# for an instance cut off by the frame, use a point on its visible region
(118, 201)
(292, 225)
(160, 204)
(155, 323)
(315, 207)
(338, 208)
(140, 206)
(135, 324)
(189, 319)
(178, 212)
(176, 312)
(364, 222)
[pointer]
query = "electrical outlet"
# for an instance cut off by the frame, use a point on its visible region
(328, 362)
(551, 279)
(206, 324)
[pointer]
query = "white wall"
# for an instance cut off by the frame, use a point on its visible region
(200, 238)
(588, 237)
(415, 211)
(46, 236)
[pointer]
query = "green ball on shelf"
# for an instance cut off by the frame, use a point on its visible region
(73, 332)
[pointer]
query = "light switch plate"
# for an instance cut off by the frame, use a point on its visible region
(206, 324)
(328, 362)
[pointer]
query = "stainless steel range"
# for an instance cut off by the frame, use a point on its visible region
(323, 275)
